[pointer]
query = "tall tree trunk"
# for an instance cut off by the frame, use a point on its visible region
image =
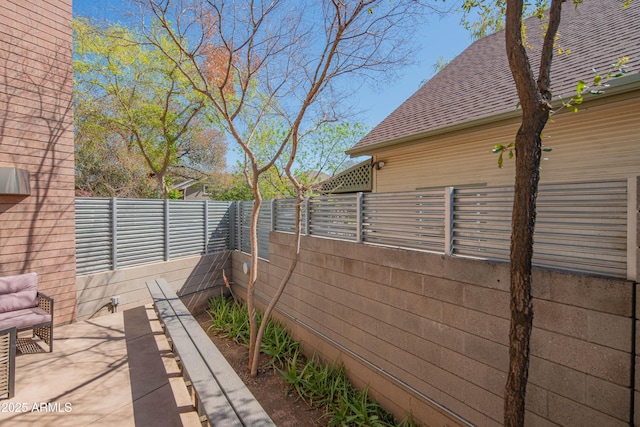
(253, 367)
(253, 276)
(535, 97)
(528, 148)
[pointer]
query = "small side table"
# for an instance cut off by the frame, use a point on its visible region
(7, 362)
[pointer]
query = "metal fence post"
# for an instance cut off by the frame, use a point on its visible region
(307, 216)
(231, 222)
(114, 231)
(167, 245)
(633, 215)
(206, 226)
(273, 214)
(359, 214)
(448, 220)
(238, 226)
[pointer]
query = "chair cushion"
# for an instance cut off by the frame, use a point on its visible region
(18, 292)
(24, 319)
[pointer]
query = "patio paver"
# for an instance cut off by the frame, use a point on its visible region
(112, 370)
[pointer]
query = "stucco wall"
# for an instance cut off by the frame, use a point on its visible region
(194, 279)
(440, 325)
(36, 133)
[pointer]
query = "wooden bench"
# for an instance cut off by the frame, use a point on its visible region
(220, 396)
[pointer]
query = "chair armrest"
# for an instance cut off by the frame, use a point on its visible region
(45, 303)
(9, 331)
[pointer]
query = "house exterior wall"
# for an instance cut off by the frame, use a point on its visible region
(601, 141)
(195, 279)
(196, 192)
(440, 326)
(36, 134)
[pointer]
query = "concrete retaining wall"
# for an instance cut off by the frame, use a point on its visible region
(634, 211)
(420, 327)
(195, 279)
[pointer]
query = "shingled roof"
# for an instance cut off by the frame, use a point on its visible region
(478, 85)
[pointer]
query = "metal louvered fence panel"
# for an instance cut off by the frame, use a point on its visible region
(94, 235)
(265, 221)
(414, 220)
(244, 226)
(264, 228)
(579, 227)
(583, 227)
(117, 233)
(285, 215)
(187, 228)
(482, 222)
(334, 216)
(219, 225)
(140, 231)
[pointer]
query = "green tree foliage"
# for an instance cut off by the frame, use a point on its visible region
(321, 154)
(137, 112)
(229, 186)
(482, 17)
(105, 164)
(436, 67)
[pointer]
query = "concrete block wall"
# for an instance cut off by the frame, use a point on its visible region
(195, 280)
(36, 133)
(429, 332)
(636, 213)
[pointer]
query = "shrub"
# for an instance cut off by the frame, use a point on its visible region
(320, 384)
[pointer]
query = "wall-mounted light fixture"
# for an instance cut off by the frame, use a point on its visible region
(378, 165)
(15, 182)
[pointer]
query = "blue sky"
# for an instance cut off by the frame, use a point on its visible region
(440, 37)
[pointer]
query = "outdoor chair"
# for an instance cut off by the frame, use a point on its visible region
(23, 307)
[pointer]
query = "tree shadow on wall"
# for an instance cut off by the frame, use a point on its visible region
(206, 281)
(36, 125)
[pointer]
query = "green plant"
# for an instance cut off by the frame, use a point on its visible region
(339, 412)
(229, 319)
(239, 326)
(323, 385)
(292, 374)
(278, 343)
(326, 383)
(366, 412)
(338, 386)
(218, 312)
(410, 422)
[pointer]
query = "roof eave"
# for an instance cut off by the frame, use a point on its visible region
(622, 85)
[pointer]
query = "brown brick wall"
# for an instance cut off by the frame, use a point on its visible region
(440, 326)
(36, 133)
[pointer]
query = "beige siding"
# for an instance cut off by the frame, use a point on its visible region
(600, 141)
(36, 133)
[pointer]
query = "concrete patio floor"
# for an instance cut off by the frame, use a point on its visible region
(115, 369)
